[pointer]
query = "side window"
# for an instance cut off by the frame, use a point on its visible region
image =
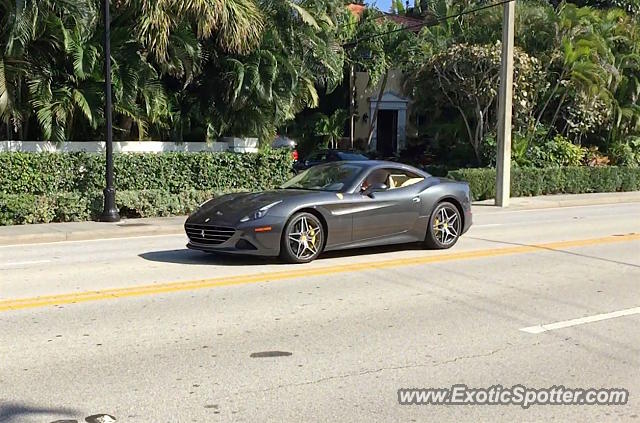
(392, 178)
(377, 176)
(399, 178)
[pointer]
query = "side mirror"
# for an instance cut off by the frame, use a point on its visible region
(373, 188)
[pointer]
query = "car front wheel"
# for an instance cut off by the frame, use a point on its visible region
(302, 239)
(445, 226)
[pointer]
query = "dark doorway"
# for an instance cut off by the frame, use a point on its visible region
(387, 135)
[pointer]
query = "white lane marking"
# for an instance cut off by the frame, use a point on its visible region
(488, 225)
(580, 321)
(91, 240)
(22, 263)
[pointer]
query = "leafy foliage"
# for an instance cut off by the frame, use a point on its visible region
(203, 69)
(581, 82)
(182, 70)
(555, 180)
(47, 173)
(465, 78)
(331, 127)
(18, 209)
(626, 153)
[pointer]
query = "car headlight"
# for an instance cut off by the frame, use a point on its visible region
(260, 213)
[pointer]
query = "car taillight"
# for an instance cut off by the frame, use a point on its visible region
(294, 154)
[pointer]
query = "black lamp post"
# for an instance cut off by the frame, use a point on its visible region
(110, 212)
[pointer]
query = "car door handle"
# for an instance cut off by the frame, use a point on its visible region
(416, 199)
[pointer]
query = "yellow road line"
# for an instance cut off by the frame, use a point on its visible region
(137, 291)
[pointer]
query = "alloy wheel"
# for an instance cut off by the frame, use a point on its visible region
(305, 238)
(446, 225)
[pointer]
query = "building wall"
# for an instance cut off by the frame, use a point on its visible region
(365, 95)
(237, 145)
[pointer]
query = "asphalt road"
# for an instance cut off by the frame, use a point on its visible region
(171, 335)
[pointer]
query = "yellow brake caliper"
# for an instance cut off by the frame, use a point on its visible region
(312, 232)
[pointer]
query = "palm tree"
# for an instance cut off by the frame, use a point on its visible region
(331, 128)
(235, 24)
(299, 53)
(32, 36)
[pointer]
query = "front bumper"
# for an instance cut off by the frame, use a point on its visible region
(250, 238)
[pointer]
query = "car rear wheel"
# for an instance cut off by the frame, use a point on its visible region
(445, 226)
(302, 239)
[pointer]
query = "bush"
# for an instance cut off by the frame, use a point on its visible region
(537, 151)
(556, 152)
(48, 173)
(16, 209)
(626, 153)
(529, 181)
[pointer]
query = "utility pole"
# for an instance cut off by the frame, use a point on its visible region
(110, 212)
(505, 107)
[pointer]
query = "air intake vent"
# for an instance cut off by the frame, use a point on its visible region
(245, 245)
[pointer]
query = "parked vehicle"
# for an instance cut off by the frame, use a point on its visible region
(325, 156)
(282, 141)
(335, 206)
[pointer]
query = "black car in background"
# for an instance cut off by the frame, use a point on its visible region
(326, 156)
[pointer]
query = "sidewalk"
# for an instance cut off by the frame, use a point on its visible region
(76, 231)
(562, 200)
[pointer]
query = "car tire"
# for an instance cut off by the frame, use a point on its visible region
(445, 227)
(302, 239)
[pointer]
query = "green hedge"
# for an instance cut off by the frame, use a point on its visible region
(558, 180)
(54, 187)
(17, 209)
(50, 173)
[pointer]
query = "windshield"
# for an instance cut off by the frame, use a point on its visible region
(352, 156)
(325, 178)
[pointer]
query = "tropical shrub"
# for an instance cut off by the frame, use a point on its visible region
(593, 157)
(557, 151)
(539, 151)
(626, 153)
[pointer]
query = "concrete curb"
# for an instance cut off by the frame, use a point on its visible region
(83, 231)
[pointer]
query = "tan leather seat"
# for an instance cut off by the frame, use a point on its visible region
(411, 181)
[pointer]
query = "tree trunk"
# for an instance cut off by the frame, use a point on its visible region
(352, 83)
(478, 135)
(26, 127)
(374, 118)
(546, 103)
(126, 124)
(555, 115)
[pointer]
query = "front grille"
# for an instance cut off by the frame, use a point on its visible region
(208, 234)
